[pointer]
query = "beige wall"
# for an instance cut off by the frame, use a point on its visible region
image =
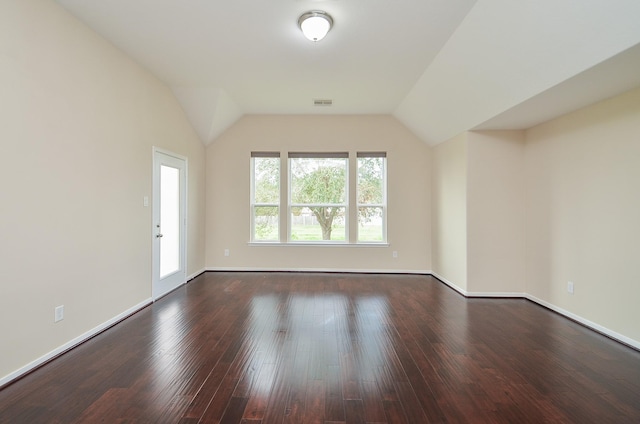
(495, 212)
(583, 213)
(79, 120)
(228, 185)
(524, 212)
(449, 226)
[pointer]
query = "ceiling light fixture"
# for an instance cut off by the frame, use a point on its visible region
(315, 24)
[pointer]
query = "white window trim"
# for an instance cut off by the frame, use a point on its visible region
(328, 243)
(284, 231)
(345, 205)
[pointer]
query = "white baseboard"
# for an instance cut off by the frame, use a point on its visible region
(73, 343)
(450, 284)
(590, 324)
(195, 274)
(348, 270)
(496, 294)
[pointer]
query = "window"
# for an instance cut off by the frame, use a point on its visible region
(265, 196)
(324, 195)
(318, 196)
(372, 197)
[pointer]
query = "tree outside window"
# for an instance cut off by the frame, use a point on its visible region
(372, 197)
(318, 196)
(265, 198)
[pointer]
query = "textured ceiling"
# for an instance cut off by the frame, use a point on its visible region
(441, 67)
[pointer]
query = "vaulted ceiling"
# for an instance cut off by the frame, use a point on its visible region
(441, 67)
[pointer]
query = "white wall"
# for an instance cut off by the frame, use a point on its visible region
(449, 226)
(228, 186)
(583, 213)
(495, 212)
(78, 122)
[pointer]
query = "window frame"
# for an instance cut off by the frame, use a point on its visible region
(290, 205)
(254, 204)
(351, 203)
(382, 205)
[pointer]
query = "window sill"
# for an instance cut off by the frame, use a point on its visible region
(310, 244)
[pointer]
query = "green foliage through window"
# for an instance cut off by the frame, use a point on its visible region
(318, 191)
(266, 197)
(318, 186)
(371, 197)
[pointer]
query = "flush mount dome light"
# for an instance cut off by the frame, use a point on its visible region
(315, 24)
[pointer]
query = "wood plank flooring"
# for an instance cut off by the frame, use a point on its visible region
(262, 348)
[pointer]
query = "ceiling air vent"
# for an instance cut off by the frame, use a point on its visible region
(322, 102)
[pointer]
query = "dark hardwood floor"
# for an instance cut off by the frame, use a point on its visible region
(334, 348)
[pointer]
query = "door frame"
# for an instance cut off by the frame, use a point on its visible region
(156, 290)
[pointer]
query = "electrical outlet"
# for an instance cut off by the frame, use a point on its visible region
(570, 287)
(395, 253)
(226, 252)
(59, 313)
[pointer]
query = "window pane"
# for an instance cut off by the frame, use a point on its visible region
(169, 220)
(318, 180)
(266, 179)
(266, 223)
(318, 223)
(371, 180)
(370, 224)
(371, 197)
(266, 196)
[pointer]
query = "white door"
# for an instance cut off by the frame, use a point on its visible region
(169, 222)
